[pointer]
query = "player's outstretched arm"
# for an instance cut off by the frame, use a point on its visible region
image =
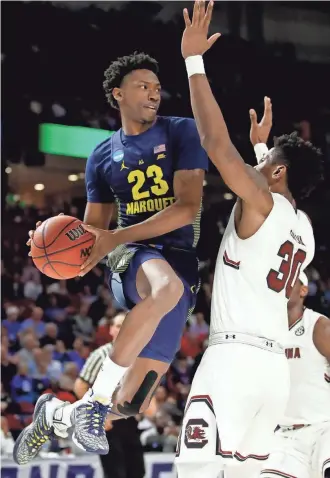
(244, 181)
(321, 337)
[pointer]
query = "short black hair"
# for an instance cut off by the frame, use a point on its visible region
(304, 163)
(121, 67)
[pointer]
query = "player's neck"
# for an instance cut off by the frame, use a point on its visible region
(285, 192)
(133, 128)
(295, 312)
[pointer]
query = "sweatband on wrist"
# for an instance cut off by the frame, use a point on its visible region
(195, 65)
(260, 150)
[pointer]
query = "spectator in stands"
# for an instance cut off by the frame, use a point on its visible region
(50, 337)
(61, 353)
(22, 385)
(8, 366)
(162, 435)
(102, 304)
(32, 289)
(6, 440)
(71, 370)
(40, 371)
(199, 329)
(58, 287)
(53, 309)
(77, 355)
(28, 343)
(178, 379)
(11, 324)
(35, 322)
(17, 288)
(30, 273)
(53, 367)
(83, 324)
(65, 328)
(63, 390)
(190, 346)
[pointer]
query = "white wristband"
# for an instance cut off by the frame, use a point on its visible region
(195, 65)
(260, 150)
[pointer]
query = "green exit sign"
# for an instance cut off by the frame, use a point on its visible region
(75, 141)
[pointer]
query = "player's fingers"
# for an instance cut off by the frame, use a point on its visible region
(267, 103)
(195, 18)
(213, 39)
(31, 234)
(202, 11)
(91, 229)
(30, 254)
(208, 14)
(61, 214)
(253, 117)
(186, 18)
(29, 242)
(88, 265)
(268, 111)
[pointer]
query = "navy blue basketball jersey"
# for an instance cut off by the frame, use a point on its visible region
(137, 172)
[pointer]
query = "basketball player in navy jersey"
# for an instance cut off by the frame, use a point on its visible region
(153, 168)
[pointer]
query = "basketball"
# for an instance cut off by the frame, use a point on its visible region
(60, 246)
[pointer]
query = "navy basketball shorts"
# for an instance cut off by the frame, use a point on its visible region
(167, 337)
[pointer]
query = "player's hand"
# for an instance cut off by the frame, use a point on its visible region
(33, 231)
(105, 242)
(194, 39)
(259, 132)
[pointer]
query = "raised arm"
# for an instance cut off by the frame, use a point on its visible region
(243, 180)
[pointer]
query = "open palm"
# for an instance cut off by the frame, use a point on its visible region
(194, 38)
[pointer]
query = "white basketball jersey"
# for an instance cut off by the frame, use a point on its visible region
(254, 277)
(309, 401)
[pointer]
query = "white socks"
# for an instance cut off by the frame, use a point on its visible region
(104, 386)
(107, 380)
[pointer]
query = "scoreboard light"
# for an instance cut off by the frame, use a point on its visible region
(74, 141)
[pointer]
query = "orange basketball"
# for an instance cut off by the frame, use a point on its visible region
(60, 246)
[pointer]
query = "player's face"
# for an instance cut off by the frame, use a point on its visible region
(140, 96)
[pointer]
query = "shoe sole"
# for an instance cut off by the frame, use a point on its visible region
(88, 449)
(43, 399)
(82, 446)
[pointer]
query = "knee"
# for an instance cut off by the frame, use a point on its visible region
(168, 292)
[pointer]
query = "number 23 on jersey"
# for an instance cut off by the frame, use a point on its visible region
(160, 185)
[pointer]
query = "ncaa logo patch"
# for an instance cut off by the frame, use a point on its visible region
(118, 156)
(300, 330)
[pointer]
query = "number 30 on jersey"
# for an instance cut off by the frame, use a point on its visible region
(288, 270)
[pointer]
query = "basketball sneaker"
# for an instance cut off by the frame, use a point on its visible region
(35, 435)
(88, 420)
